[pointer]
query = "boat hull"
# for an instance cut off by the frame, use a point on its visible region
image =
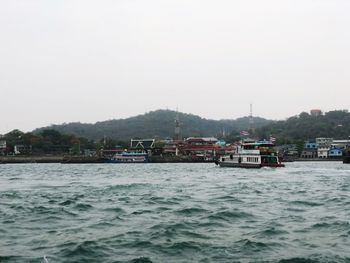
(249, 165)
(113, 161)
(346, 159)
(239, 165)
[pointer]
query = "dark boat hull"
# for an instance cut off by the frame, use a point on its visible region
(114, 161)
(249, 165)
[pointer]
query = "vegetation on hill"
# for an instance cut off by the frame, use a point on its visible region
(48, 141)
(333, 124)
(156, 124)
(75, 137)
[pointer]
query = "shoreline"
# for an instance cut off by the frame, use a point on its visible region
(153, 159)
(30, 159)
(318, 160)
(88, 160)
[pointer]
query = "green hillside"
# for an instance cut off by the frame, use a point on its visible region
(155, 124)
(333, 124)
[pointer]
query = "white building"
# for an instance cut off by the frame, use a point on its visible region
(324, 141)
(322, 152)
(3, 146)
(340, 144)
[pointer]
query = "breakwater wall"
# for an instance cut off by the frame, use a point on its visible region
(31, 159)
(86, 159)
(318, 159)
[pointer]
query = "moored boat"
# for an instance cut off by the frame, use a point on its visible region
(252, 155)
(129, 157)
(346, 157)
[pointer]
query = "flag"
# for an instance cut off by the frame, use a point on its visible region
(272, 139)
(244, 133)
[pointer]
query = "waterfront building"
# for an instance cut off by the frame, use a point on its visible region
(142, 144)
(20, 149)
(311, 145)
(170, 147)
(309, 153)
(288, 151)
(3, 146)
(327, 142)
(335, 153)
(322, 152)
(89, 152)
(341, 144)
(315, 112)
(204, 148)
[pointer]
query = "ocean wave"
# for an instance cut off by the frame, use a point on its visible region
(317, 258)
(250, 246)
(141, 260)
(85, 251)
(191, 211)
(230, 215)
(305, 203)
(182, 246)
(142, 211)
(12, 259)
(337, 225)
(125, 186)
(271, 232)
(67, 202)
(195, 235)
(83, 206)
(117, 210)
(298, 260)
(229, 199)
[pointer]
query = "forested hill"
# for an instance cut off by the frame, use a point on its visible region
(156, 124)
(333, 124)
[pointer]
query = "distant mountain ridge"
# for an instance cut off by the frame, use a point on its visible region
(156, 124)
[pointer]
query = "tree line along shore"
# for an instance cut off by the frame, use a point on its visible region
(52, 145)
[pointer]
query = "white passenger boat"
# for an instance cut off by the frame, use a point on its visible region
(252, 155)
(129, 157)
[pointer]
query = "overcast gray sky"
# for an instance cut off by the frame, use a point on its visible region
(88, 61)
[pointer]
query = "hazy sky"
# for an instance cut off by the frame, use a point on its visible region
(88, 61)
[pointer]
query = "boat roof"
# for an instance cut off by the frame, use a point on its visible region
(205, 139)
(259, 143)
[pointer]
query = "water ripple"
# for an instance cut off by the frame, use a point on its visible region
(174, 213)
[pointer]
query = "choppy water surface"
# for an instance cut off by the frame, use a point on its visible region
(174, 213)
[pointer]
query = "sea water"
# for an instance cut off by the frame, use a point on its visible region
(174, 213)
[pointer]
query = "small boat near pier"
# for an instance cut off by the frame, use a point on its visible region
(129, 157)
(252, 154)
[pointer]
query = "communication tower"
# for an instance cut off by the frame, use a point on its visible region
(251, 120)
(177, 126)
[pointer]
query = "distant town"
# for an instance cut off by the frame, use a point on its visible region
(50, 144)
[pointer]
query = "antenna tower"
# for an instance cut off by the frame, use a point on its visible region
(251, 120)
(177, 126)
